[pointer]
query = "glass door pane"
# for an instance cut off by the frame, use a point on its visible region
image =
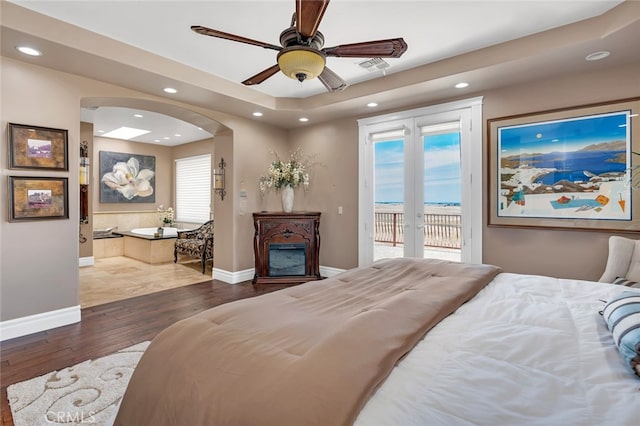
(442, 229)
(389, 189)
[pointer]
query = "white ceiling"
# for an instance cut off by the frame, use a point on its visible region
(435, 31)
(163, 130)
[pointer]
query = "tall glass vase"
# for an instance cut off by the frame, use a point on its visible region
(287, 199)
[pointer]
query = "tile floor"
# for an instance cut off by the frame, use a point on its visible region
(117, 278)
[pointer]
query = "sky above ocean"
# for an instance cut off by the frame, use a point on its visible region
(562, 135)
(442, 177)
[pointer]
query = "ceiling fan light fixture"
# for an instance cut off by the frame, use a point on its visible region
(301, 63)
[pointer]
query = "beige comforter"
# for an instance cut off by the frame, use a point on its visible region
(307, 355)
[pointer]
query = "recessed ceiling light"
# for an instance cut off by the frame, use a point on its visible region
(257, 114)
(596, 56)
(166, 138)
(372, 104)
(29, 51)
(125, 133)
(303, 119)
(461, 85)
(137, 115)
(156, 140)
(177, 135)
(100, 131)
(170, 90)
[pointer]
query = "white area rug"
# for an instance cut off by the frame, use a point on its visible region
(88, 392)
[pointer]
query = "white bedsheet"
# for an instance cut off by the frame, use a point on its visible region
(528, 350)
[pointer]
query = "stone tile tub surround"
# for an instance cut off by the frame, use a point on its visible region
(126, 221)
(153, 231)
(144, 248)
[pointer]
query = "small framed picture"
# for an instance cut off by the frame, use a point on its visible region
(38, 198)
(33, 147)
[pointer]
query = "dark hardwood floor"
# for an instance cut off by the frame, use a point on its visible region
(107, 328)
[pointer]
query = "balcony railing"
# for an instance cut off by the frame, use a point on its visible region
(440, 230)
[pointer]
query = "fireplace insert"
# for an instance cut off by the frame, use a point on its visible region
(287, 259)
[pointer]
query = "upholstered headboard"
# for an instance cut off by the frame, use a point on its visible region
(623, 260)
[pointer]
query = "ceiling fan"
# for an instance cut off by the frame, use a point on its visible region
(302, 56)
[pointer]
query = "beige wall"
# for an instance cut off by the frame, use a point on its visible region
(246, 148)
(334, 183)
(561, 253)
(571, 254)
(250, 157)
(39, 259)
(28, 290)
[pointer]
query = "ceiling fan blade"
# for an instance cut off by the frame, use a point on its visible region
(308, 16)
(391, 48)
(332, 81)
(219, 34)
(261, 76)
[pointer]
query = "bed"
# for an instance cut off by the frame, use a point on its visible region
(399, 342)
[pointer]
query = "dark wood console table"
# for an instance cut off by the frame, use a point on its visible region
(286, 247)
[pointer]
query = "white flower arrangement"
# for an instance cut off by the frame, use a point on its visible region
(165, 215)
(291, 173)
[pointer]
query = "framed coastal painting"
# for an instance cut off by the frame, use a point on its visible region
(38, 198)
(572, 168)
(127, 178)
(33, 147)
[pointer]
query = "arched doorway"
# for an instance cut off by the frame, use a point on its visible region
(99, 282)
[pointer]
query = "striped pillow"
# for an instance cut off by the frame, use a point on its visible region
(622, 315)
(625, 282)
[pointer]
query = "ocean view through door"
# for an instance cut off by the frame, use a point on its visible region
(402, 228)
(420, 192)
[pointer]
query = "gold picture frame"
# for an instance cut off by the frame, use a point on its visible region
(567, 168)
(34, 147)
(38, 198)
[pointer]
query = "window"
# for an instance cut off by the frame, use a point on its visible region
(193, 189)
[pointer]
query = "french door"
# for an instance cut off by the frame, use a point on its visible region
(416, 194)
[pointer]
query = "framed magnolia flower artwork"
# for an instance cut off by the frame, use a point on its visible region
(127, 178)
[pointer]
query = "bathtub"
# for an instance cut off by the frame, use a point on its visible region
(168, 231)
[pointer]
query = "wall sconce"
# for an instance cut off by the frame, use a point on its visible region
(218, 179)
(84, 176)
(84, 163)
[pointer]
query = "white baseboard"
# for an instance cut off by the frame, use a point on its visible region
(39, 322)
(86, 261)
(328, 271)
(233, 277)
(247, 274)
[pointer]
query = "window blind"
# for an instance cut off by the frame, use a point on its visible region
(442, 128)
(193, 189)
